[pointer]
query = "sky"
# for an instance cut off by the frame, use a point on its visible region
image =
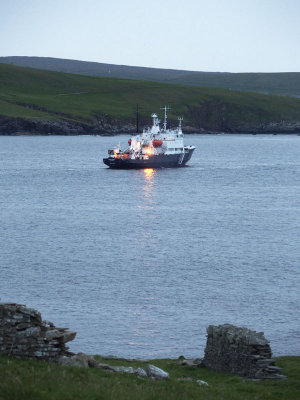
(211, 35)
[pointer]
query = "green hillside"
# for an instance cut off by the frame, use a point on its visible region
(285, 83)
(52, 96)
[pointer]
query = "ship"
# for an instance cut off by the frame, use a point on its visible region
(155, 147)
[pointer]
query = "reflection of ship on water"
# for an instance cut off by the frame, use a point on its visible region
(154, 148)
(148, 174)
(147, 213)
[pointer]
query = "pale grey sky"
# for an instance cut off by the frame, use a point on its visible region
(212, 35)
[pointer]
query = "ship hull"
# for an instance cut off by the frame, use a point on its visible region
(156, 161)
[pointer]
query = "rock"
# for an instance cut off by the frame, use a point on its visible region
(255, 340)
(141, 372)
(155, 372)
(105, 367)
(85, 361)
(188, 362)
(122, 369)
(111, 357)
(48, 324)
(67, 336)
(52, 333)
(91, 362)
(33, 331)
(30, 312)
(191, 362)
(79, 360)
(202, 383)
(73, 361)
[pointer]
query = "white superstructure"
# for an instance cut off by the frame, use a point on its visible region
(156, 141)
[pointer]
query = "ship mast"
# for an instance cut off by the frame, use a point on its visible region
(180, 119)
(137, 118)
(165, 108)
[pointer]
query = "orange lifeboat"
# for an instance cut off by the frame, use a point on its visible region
(157, 143)
(129, 142)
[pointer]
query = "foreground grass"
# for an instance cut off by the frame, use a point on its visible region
(35, 380)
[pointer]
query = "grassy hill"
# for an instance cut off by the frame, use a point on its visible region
(39, 95)
(287, 83)
(37, 380)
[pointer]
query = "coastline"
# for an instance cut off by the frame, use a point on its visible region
(16, 126)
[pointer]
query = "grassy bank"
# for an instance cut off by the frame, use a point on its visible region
(33, 380)
(46, 95)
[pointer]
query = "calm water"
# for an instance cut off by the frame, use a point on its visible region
(139, 263)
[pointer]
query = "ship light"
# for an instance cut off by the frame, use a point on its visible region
(149, 150)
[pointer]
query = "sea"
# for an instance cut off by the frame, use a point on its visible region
(140, 262)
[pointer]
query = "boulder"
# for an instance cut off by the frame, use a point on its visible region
(155, 372)
(189, 361)
(122, 369)
(202, 383)
(82, 360)
(141, 372)
(74, 361)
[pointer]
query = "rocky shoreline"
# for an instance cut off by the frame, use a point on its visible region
(109, 126)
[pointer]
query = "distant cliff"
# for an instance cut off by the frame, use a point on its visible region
(111, 126)
(103, 126)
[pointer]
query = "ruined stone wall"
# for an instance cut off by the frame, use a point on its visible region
(24, 334)
(240, 351)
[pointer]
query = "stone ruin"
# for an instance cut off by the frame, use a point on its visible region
(240, 351)
(24, 334)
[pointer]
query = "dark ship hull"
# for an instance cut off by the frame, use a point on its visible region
(154, 161)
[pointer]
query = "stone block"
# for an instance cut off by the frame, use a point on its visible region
(24, 334)
(239, 350)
